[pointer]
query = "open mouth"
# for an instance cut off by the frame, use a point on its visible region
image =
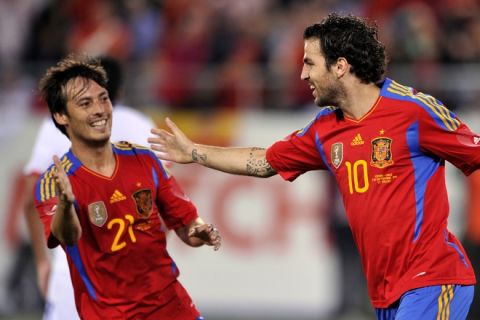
(99, 123)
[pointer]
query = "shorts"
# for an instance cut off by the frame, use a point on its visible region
(435, 302)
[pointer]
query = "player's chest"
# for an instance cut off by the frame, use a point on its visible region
(368, 154)
(129, 195)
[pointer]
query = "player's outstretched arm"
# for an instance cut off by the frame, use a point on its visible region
(65, 224)
(175, 146)
(198, 233)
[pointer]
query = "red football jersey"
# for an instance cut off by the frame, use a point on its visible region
(120, 266)
(390, 169)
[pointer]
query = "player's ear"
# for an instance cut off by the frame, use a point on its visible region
(60, 118)
(341, 67)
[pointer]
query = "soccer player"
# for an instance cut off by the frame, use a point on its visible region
(102, 203)
(52, 269)
(386, 145)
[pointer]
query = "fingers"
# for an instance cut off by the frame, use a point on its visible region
(173, 127)
(162, 139)
(62, 182)
(208, 233)
(161, 132)
(57, 163)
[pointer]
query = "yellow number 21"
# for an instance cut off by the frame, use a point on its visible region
(117, 244)
(353, 172)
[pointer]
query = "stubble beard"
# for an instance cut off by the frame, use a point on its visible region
(330, 96)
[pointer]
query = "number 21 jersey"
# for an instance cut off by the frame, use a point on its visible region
(120, 265)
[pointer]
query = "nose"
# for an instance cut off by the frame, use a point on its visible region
(101, 106)
(304, 75)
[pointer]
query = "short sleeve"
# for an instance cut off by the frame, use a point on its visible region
(46, 203)
(298, 153)
(447, 137)
(176, 209)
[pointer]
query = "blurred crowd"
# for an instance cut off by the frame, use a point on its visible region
(221, 54)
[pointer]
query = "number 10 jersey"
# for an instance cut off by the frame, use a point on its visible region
(390, 169)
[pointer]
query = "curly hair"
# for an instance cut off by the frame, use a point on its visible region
(354, 39)
(52, 86)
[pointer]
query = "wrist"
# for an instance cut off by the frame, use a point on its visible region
(198, 155)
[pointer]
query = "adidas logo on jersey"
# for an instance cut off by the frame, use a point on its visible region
(357, 141)
(117, 196)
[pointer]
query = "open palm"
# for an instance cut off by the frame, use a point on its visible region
(174, 146)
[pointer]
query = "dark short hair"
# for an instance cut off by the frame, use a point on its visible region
(354, 39)
(53, 83)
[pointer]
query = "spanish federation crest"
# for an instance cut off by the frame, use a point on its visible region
(381, 152)
(97, 212)
(337, 154)
(143, 202)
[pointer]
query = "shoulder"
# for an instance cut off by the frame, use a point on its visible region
(127, 148)
(143, 154)
(45, 187)
(324, 115)
(421, 103)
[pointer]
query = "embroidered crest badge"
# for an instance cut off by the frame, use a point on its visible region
(337, 154)
(381, 152)
(97, 212)
(144, 202)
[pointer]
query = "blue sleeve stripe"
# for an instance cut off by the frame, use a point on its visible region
(174, 268)
(71, 163)
(74, 254)
(442, 116)
(322, 152)
(454, 246)
(155, 177)
(424, 168)
(164, 170)
(38, 189)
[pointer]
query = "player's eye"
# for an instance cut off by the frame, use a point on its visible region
(84, 103)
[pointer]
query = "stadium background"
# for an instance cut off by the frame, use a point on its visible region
(229, 73)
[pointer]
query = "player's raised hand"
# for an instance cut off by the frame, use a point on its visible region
(208, 233)
(174, 146)
(62, 183)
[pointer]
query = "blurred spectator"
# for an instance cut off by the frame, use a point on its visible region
(461, 36)
(415, 33)
(15, 101)
(183, 52)
(147, 27)
(15, 20)
(99, 30)
(47, 33)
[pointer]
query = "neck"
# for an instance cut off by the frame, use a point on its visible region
(359, 100)
(98, 158)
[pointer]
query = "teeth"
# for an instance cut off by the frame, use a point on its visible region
(99, 123)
